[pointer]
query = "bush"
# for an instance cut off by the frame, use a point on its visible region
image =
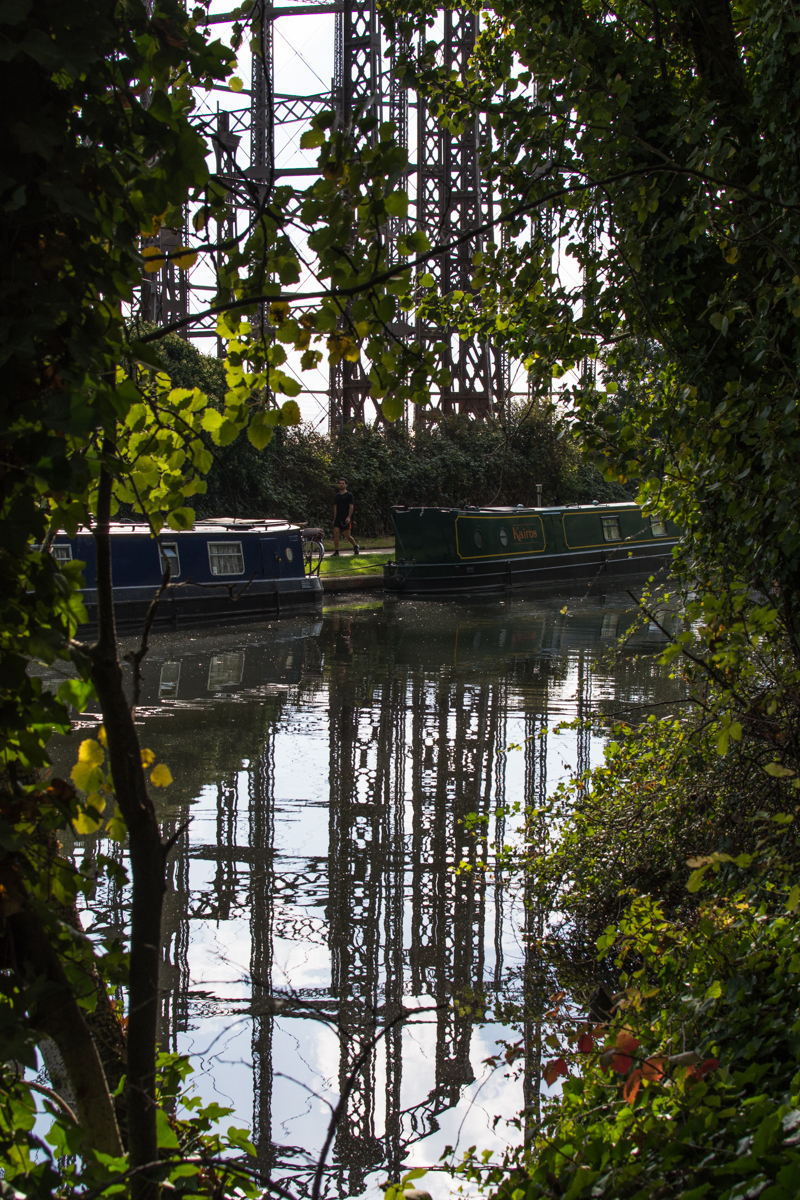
(454, 462)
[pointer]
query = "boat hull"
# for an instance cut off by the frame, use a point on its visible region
(551, 571)
(260, 601)
(222, 571)
(492, 550)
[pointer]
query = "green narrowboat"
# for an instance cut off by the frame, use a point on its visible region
(491, 549)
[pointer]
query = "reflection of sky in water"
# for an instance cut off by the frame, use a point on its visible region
(324, 769)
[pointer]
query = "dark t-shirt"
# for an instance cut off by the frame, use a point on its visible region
(343, 501)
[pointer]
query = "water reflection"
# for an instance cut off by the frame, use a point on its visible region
(327, 772)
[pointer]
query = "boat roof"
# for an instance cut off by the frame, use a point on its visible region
(206, 525)
(519, 509)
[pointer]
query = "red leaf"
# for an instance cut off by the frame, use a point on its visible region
(653, 1069)
(626, 1042)
(632, 1086)
(621, 1063)
(706, 1067)
(553, 1069)
(586, 1043)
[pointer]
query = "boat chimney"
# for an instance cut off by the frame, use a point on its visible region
(538, 495)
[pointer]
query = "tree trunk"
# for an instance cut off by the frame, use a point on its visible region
(147, 859)
(57, 1013)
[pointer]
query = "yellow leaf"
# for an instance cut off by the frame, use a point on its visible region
(101, 737)
(161, 776)
(86, 773)
(91, 752)
(154, 259)
(185, 258)
(116, 827)
(147, 757)
(87, 821)
(278, 312)
(235, 83)
(85, 776)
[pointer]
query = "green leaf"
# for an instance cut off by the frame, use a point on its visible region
(393, 408)
(397, 204)
(181, 518)
(235, 83)
(778, 771)
(311, 139)
(259, 434)
(793, 899)
(145, 354)
(167, 1138)
(212, 420)
(290, 413)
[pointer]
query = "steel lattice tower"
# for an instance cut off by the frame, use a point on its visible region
(447, 191)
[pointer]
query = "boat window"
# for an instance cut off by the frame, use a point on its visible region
(225, 670)
(478, 538)
(61, 552)
(170, 678)
(658, 527)
(226, 558)
(289, 552)
(503, 536)
(610, 625)
(168, 553)
(611, 532)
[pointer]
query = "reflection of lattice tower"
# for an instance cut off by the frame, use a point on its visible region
(174, 975)
(535, 789)
(454, 740)
(356, 856)
(451, 197)
(390, 783)
(225, 875)
(584, 709)
(501, 759)
(261, 811)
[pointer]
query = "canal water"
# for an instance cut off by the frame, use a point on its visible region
(318, 932)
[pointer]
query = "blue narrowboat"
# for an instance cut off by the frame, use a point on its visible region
(222, 568)
(442, 550)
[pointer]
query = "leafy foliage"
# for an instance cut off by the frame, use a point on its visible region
(648, 145)
(695, 1082)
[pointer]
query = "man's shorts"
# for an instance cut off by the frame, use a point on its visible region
(341, 524)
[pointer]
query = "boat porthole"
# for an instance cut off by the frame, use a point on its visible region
(289, 553)
(478, 538)
(503, 537)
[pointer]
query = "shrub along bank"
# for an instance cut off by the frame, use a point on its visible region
(664, 1002)
(455, 462)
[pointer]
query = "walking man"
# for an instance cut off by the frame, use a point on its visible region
(342, 517)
